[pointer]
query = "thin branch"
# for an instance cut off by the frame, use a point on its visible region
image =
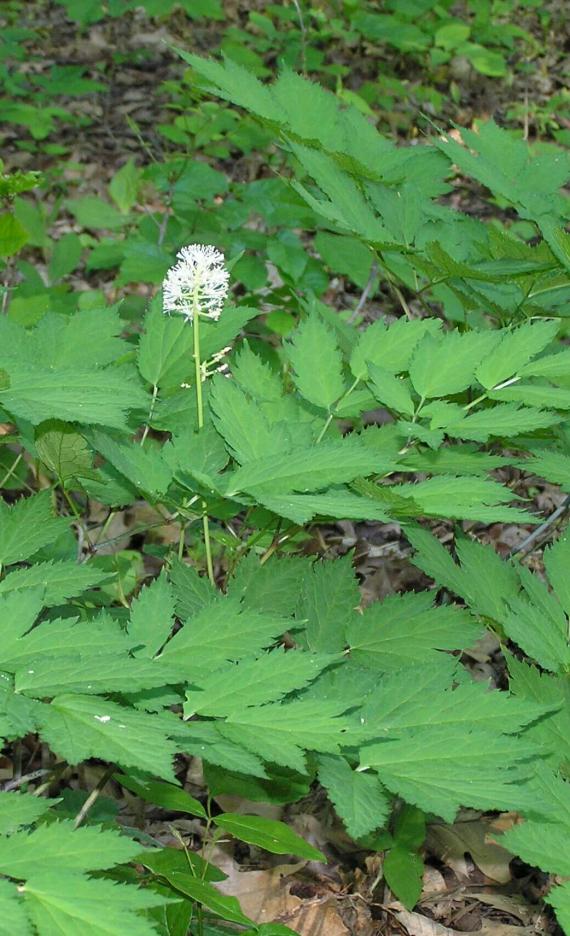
(94, 795)
(365, 293)
(545, 528)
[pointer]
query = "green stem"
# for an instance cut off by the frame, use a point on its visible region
(150, 414)
(200, 410)
(331, 415)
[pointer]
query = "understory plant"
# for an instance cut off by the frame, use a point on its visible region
(233, 645)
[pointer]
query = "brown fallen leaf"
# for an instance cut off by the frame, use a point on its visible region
(452, 843)
(266, 896)
(416, 924)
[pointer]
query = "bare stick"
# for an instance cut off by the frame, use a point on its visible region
(537, 534)
(365, 293)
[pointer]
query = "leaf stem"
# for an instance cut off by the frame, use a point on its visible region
(200, 411)
(150, 413)
(331, 415)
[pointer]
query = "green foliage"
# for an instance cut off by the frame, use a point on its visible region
(121, 651)
(524, 611)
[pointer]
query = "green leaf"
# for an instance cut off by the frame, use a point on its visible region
(390, 348)
(20, 809)
(203, 892)
(273, 836)
(94, 673)
(78, 727)
(446, 496)
(253, 682)
(58, 581)
(359, 798)
(13, 235)
(403, 871)
(504, 420)
(445, 364)
(423, 695)
(90, 397)
(242, 424)
(533, 687)
(559, 899)
(145, 468)
(219, 632)
(70, 903)
(557, 561)
(542, 844)
(152, 617)
(391, 391)
(14, 920)
(405, 629)
(24, 854)
(307, 469)
(441, 769)
(45, 642)
(93, 212)
(313, 341)
(66, 256)
(124, 186)
(514, 350)
(192, 592)
(539, 627)
(63, 450)
(167, 795)
(280, 731)
(329, 598)
(336, 502)
(27, 526)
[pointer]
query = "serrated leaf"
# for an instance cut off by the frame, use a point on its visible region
(280, 731)
(14, 919)
(241, 423)
(329, 598)
(441, 769)
(219, 632)
(66, 903)
(336, 502)
(405, 629)
(46, 641)
(146, 469)
(313, 341)
(557, 562)
(93, 673)
(543, 844)
(254, 682)
(20, 809)
(90, 397)
(445, 364)
(63, 450)
(419, 696)
(514, 350)
(192, 592)
(390, 348)
(57, 581)
(152, 617)
(359, 798)
(27, 526)
(505, 419)
(24, 854)
(307, 469)
(447, 496)
(391, 391)
(78, 727)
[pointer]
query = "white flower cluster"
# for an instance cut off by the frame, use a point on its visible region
(198, 283)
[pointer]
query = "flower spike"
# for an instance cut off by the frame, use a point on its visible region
(196, 285)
